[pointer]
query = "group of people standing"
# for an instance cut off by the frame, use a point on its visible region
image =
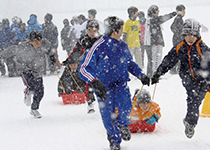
(19, 32)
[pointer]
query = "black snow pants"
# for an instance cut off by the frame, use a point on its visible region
(195, 95)
(34, 85)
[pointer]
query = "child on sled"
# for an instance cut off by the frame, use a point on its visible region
(68, 78)
(144, 114)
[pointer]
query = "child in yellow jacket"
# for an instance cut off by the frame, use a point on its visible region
(144, 113)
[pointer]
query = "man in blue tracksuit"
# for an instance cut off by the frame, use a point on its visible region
(106, 67)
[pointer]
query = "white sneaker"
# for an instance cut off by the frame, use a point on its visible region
(27, 98)
(35, 113)
(90, 108)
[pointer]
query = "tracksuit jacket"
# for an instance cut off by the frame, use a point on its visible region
(109, 60)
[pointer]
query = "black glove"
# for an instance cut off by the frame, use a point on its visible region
(100, 89)
(204, 86)
(52, 59)
(174, 14)
(65, 62)
(145, 80)
(155, 78)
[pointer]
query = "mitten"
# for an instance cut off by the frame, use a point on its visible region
(65, 62)
(204, 86)
(152, 119)
(100, 89)
(174, 13)
(145, 80)
(52, 59)
(155, 78)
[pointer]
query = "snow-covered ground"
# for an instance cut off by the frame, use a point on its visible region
(69, 127)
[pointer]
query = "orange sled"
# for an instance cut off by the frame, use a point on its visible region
(74, 98)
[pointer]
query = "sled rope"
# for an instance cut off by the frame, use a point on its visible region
(59, 79)
(154, 91)
(140, 92)
(74, 80)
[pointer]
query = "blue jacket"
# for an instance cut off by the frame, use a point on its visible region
(6, 36)
(33, 25)
(110, 61)
(18, 35)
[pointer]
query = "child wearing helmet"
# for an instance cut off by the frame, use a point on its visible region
(191, 52)
(144, 114)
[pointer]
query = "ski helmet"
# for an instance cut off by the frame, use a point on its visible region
(191, 26)
(35, 35)
(144, 97)
(92, 23)
(152, 10)
(180, 7)
(112, 24)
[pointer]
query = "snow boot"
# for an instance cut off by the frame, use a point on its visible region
(90, 108)
(189, 129)
(27, 97)
(112, 145)
(35, 113)
(125, 133)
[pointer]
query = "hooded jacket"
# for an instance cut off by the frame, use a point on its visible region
(33, 25)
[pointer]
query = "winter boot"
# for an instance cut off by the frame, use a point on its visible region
(27, 97)
(125, 133)
(189, 129)
(90, 108)
(112, 145)
(35, 113)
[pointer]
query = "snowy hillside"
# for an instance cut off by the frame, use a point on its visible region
(69, 127)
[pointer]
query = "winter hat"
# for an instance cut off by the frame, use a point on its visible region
(66, 22)
(180, 7)
(82, 17)
(152, 9)
(92, 23)
(35, 35)
(72, 60)
(191, 26)
(132, 10)
(93, 12)
(112, 24)
(141, 14)
(48, 17)
(144, 97)
(5, 21)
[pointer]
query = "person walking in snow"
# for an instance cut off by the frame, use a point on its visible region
(92, 15)
(154, 36)
(50, 32)
(65, 40)
(82, 47)
(131, 35)
(142, 21)
(105, 67)
(30, 60)
(33, 24)
(192, 53)
(176, 28)
(144, 113)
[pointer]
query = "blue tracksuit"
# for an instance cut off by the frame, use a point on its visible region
(110, 61)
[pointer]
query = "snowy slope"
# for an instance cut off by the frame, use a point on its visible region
(69, 127)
